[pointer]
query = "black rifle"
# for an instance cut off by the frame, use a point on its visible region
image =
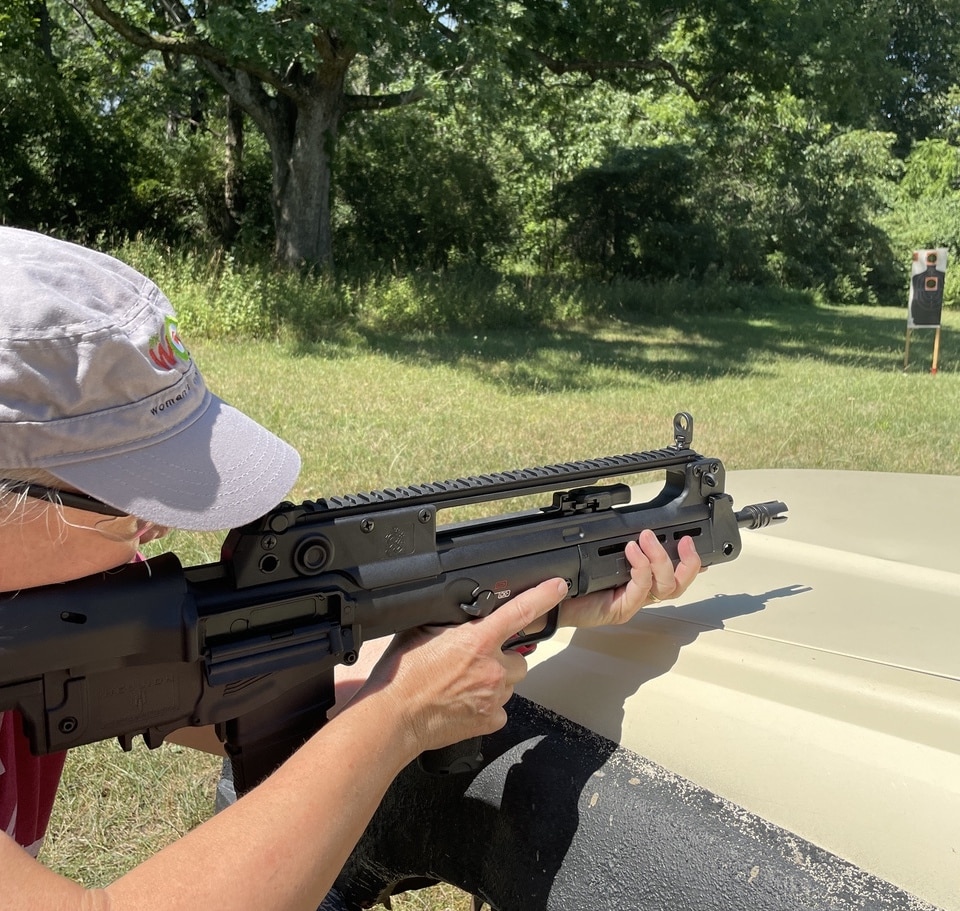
(250, 643)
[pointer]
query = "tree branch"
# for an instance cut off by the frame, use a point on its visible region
(185, 44)
(75, 6)
(267, 112)
(654, 65)
(384, 102)
(595, 68)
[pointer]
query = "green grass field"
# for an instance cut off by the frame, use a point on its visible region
(778, 387)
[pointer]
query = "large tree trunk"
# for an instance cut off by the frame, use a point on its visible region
(302, 158)
(233, 192)
(301, 131)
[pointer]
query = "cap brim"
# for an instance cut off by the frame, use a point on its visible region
(222, 471)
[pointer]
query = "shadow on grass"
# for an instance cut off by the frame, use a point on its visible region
(663, 347)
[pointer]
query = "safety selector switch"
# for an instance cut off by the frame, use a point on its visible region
(483, 603)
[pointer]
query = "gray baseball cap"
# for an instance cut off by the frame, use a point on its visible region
(98, 389)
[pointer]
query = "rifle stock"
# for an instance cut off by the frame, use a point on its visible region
(249, 643)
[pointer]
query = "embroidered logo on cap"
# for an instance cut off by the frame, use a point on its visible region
(167, 351)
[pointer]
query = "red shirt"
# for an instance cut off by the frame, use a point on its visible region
(28, 785)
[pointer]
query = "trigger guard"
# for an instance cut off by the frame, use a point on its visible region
(550, 627)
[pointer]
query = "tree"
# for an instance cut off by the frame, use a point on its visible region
(298, 68)
(630, 216)
(924, 58)
(61, 167)
(927, 212)
(411, 193)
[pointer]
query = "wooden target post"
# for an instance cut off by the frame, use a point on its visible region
(936, 350)
(926, 298)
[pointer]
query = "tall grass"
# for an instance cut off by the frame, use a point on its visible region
(219, 296)
(373, 396)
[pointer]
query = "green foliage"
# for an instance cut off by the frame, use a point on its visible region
(469, 298)
(631, 216)
(923, 59)
(62, 166)
(739, 146)
(95, 138)
(772, 197)
(412, 196)
(179, 190)
(549, 133)
(847, 186)
(932, 170)
(219, 296)
(177, 187)
(798, 202)
(927, 211)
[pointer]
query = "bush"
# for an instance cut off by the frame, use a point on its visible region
(217, 295)
(410, 197)
(927, 212)
(630, 217)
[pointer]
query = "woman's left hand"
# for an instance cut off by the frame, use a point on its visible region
(653, 578)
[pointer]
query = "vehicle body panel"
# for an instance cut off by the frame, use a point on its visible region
(814, 682)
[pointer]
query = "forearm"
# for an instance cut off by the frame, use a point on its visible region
(286, 840)
(278, 848)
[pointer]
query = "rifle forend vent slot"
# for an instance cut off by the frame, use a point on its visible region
(692, 532)
(609, 549)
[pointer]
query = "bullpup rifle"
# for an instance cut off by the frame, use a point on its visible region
(249, 643)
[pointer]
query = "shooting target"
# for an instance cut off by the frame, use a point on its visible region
(926, 288)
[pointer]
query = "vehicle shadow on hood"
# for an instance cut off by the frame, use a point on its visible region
(590, 680)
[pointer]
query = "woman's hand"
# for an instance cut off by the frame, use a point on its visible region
(450, 683)
(652, 578)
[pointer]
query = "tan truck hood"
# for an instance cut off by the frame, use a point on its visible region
(815, 681)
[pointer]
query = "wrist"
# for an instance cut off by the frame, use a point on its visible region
(378, 704)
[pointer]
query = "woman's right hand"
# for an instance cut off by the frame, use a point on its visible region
(450, 683)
